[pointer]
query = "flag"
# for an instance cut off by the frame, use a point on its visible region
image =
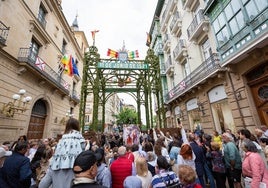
(70, 67)
(148, 41)
(133, 54)
(112, 53)
(171, 94)
(93, 33)
(182, 85)
(66, 60)
(66, 85)
(75, 69)
(40, 63)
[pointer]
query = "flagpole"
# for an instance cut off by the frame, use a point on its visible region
(93, 36)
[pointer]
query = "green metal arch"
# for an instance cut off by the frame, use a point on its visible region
(98, 79)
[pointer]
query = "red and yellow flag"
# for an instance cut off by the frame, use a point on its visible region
(112, 53)
(66, 60)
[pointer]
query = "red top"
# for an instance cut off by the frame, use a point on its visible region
(120, 169)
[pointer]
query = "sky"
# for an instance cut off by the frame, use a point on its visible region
(118, 22)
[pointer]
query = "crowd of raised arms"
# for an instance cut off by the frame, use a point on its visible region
(183, 159)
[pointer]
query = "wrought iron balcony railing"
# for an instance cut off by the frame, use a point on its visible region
(199, 24)
(179, 49)
(169, 66)
(206, 69)
(166, 42)
(3, 33)
(26, 55)
(75, 96)
(174, 24)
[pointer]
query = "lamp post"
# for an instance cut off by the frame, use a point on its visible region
(18, 104)
(68, 114)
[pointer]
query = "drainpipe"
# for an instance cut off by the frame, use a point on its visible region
(236, 100)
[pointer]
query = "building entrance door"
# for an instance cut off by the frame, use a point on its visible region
(37, 121)
(36, 127)
(258, 83)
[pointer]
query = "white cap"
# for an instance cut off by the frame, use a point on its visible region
(4, 153)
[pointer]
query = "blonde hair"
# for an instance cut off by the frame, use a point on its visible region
(186, 174)
(141, 166)
(215, 146)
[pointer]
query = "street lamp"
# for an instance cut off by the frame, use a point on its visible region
(68, 114)
(18, 104)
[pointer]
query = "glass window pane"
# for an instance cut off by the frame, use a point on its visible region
(233, 26)
(225, 34)
(220, 38)
(221, 20)
(251, 10)
(229, 12)
(244, 1)
(261, 4)
(216, 26)
(235, 5)
(240, 20)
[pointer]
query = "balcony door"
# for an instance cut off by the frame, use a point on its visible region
(258, 83)
(37, 120)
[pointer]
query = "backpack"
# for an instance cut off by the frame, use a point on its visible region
(101, 175)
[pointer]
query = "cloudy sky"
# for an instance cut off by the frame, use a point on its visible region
(117, 21)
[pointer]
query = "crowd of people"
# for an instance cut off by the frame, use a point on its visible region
(184, 159)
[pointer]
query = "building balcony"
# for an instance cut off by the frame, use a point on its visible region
(75, 96)
(170, 9)
(3, 34)
(169, 67)
(206, 70)
(159, 48)
(166, 42)
(162, 69)
(172, 6)
(163, 24)
(45, 74)
(180, 50)
(199, 25)
(189, 5)
(175, 24)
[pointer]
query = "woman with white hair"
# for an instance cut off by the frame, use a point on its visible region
(232, 160)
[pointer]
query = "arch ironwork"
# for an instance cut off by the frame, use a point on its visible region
(141, 78)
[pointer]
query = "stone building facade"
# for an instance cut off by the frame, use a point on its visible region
(213, 64)
(34, 37)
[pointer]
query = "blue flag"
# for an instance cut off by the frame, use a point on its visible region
(75, 69)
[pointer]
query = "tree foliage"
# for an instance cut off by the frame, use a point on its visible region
(127, 116)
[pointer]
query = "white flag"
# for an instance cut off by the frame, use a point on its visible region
(40, 63)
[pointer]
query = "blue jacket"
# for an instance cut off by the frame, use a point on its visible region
(200, 158)
(16, 171)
